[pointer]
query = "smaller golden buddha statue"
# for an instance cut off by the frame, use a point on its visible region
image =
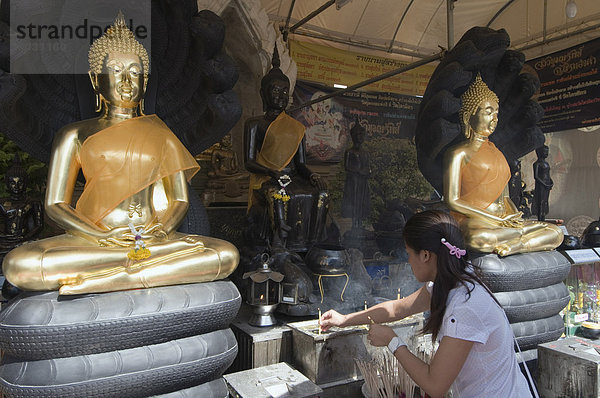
(122, 232)
(475, 179)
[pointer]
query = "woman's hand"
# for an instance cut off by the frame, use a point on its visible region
(380, 335)
(331, 318)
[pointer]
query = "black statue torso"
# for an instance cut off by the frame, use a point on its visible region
(298, 221)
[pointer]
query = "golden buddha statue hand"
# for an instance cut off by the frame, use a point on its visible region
(121, 233)
(475, 180)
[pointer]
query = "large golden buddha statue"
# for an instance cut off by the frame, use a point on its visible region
(475, 181)
(121, 233)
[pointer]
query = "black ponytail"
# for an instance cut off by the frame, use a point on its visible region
(425, 231)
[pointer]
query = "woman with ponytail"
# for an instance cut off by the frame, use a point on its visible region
(475, 355)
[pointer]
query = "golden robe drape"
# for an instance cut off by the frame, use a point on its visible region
(483, 178)
(282, 138)
(125, 158)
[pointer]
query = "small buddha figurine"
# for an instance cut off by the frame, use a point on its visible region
(122, 232)
(224, 161)
(475, 185)
(515, 184)
(356, 202)
(543, 183)
(22, 216)
(516, 188)
(225, 174)
(286, 200)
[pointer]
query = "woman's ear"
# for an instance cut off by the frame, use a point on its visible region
(425, 255)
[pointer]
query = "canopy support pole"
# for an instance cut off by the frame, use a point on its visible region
(398, 27)
(374, 79)
(450, 22)
(285, 29)
(545, 19)
(311, 15)
(557, 38)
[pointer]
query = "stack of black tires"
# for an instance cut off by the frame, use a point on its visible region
(530, 288)
(171, 341)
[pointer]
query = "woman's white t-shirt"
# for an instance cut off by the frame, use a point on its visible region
(491, 369)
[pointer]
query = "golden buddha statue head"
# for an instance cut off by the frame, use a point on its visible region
(119, 66)
(479, 109)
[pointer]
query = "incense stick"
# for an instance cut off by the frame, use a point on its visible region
(385, 377)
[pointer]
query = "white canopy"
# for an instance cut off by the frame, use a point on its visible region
(413, 29)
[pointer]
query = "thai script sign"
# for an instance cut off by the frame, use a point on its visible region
(570, 87)
(327, 65)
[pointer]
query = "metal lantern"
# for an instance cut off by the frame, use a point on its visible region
(264, 293)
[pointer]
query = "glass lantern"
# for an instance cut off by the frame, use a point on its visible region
(264, 293)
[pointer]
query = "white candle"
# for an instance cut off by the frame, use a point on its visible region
(319, 322)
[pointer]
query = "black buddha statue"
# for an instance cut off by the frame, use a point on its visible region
(543, 183)
(515, 184)
(356, 202)
(516, 188)
(287, 202)
(22, 216)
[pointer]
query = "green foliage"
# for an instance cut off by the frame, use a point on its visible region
(36, 170)
(394, 175)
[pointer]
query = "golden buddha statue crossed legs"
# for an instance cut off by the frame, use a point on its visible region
(121, 234)
(475, 185)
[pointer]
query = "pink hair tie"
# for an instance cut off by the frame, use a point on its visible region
(454, 251)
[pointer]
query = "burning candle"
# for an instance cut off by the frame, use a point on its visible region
(366, 305)
(399, 296)
(262, 297)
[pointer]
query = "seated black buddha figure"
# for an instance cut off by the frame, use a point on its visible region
(287, 202)
(225, 174)
(224, 161)
(21, 215)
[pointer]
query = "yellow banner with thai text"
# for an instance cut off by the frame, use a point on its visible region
(327, 65)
